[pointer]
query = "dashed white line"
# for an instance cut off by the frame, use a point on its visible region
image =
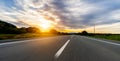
(61, 49)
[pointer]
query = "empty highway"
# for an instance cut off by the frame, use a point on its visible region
(61, 48)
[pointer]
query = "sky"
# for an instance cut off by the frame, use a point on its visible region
(64, 15)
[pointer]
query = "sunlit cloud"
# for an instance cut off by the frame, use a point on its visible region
(28, 12)
(62, 14)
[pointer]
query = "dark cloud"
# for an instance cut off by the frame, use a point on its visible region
(88, 19)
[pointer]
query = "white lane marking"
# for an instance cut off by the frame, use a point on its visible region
(104, 41)
(20, 41)
(61, 49)
(7, 43)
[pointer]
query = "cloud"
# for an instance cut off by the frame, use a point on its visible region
(28, 13)
(72, 14)
(85, 13)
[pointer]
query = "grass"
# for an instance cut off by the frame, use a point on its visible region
(109, 37)
(28, 35)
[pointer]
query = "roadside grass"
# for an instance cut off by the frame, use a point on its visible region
(109, 37)
(27, 35)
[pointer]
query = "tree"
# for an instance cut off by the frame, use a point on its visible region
(32, 30)
(22, 30)
(53, 31)
(84, 33)
(7, 27)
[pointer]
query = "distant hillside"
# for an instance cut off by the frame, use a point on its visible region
(6, 27)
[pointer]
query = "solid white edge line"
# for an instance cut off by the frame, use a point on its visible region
(59, 52)
(14, 42)
(104, 41)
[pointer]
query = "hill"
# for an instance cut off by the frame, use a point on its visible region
(6, 27)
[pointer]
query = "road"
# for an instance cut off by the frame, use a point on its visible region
(60, 48)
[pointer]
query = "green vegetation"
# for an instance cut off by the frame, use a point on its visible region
(109, 37)
(7, 27)
(21, 36)
(101, 35)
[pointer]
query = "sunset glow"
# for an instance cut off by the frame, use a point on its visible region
(45, 26)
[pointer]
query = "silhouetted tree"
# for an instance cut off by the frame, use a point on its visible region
(22, 30)
(32, 30)
(7, 27)
(53, 31)
(84, 33)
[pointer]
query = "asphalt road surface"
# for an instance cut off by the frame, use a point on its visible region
(61, 48)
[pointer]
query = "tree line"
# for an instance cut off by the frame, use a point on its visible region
(8, 28)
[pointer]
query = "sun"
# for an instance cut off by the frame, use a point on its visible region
(46, 26)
